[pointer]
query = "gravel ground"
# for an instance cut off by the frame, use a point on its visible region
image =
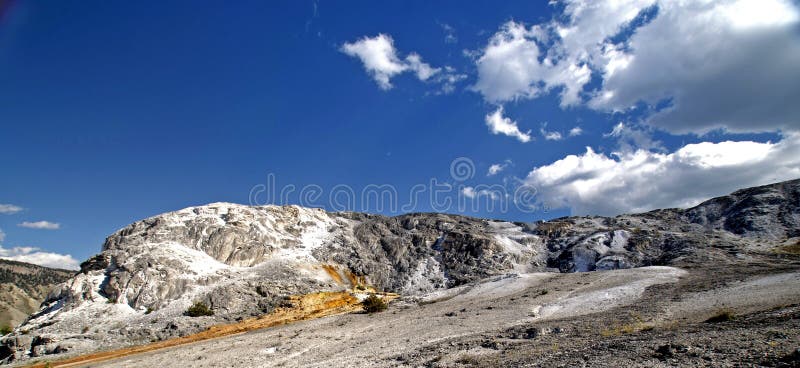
(652, 316)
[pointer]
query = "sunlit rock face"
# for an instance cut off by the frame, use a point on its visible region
(244, 261)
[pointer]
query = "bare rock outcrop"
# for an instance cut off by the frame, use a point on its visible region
(244, 261)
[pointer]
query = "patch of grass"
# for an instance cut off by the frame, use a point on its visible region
(793, 249)
(626, 329)
(5, 330)
(373, 304)
(722, 315)
(148, 311)
(199, 309)
(637, 325)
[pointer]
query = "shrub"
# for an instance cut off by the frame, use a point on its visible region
(5, 330)
(199, 309)
(722, 315)
(373, 304)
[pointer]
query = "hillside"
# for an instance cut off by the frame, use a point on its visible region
(23, 287)
(245, 262)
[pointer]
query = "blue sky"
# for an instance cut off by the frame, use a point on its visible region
(111, 111)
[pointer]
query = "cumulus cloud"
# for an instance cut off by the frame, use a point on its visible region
(512, 67)
(499, 124)
(9, 209)
(694, 65)
(381, 61)
(43, 225)
(576, 131)
(595, 183)
(738, 70)
(37, 256)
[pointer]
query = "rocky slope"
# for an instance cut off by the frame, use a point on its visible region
(23, 287)
(244, 261)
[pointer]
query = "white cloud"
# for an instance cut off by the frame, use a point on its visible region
(738, 70)
(378, 56)
(44, 225)
(550, 135)
(594, 183)
(512, 66)
(36, 256)
(495, 169)
(729, 64)
(382, 62)
(498, 124)
(9, 209)
(472, 193)
(576, 131)
(423, 70)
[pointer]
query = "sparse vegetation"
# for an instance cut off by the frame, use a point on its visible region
(637, 325)
(373, 304)
(722, 315)
(625, 329)
(29, 277)
(468, 360)
(199, 309)
(148, 311)
(793, 249)
(5, 330)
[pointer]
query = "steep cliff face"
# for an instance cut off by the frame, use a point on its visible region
(243, 261)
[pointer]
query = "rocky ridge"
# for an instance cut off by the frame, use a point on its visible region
(244, 261)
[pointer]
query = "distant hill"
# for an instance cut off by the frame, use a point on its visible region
(23, 287)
